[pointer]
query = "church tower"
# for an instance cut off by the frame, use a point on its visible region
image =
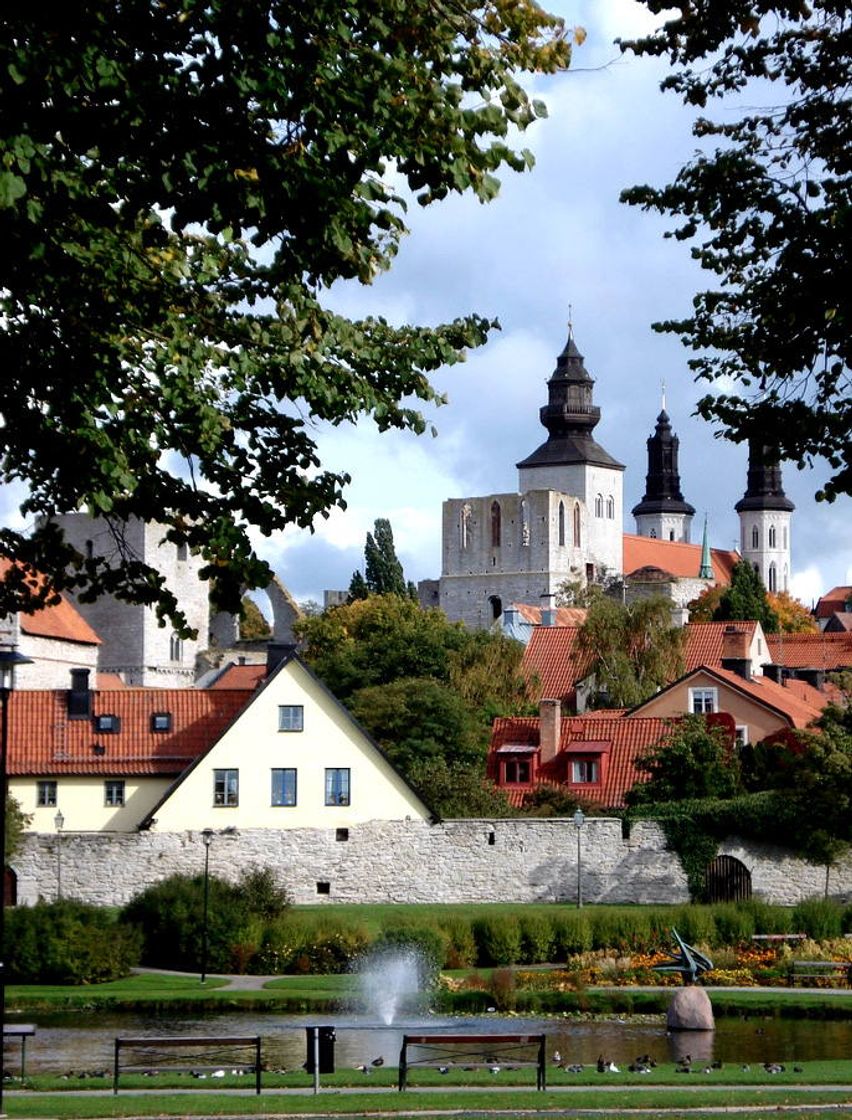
(663, 513)
(572, 462)
(765, 515)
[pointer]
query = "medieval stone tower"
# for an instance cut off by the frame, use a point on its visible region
(765, 514)
(663, 513)
(565, 522)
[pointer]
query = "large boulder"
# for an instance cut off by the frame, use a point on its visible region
(690, 1010)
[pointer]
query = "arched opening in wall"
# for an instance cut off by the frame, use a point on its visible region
(496, 604)
(772, 536)
(773, 578)
(525, 523)
(727, 880)
(577, 540)
(256, 625)
(671, 534)
(175, 649)
(10, 888)
(755, 537)
(496, 518)
(464, 525)
(599, 505)
(610, 508)
(561, 524)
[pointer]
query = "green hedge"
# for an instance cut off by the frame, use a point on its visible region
(68, 942)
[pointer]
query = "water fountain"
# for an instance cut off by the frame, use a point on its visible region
(391, 980)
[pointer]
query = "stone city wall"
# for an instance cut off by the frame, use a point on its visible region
(410, 861)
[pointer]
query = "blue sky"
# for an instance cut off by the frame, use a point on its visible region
(555, 237)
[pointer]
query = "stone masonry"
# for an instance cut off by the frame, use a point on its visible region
(412, 861)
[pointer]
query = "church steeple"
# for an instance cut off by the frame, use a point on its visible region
(765, 515)
(663, 513)
(706, 569)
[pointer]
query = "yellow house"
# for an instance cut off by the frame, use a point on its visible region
(287, 755)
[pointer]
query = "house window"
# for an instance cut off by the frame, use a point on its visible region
(161, 721)
(175, 648)
(226, 787)
(337, 786)
(598, 505)
(610, 508)
(114, 792)
(585, 771)
(561, 524)
(741, 736)
(182, 553)
(516, 770)
(284, 787)
(108, 724)
(495, 524)
(46, 794)
(291, 717)
(576, 524)
(703, 700)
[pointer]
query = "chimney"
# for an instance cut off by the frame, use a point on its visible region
(548, 609)
(79, 696)
(276, 652)
(735, 652)
(510, 619)
(550, 729)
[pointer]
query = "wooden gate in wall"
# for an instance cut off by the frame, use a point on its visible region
(727, 880)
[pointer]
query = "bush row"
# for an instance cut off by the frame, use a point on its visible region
(68, 942)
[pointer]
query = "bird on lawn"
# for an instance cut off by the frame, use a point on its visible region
(380, 1061)
(362, 1069)
(557, 1057)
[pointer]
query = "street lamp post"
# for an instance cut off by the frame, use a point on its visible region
(9, 658)
(59, 821)
(207, 838)
(579, 818)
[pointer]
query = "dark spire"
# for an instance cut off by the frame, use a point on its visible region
(570, 416)
(662, 483)
(765, 489)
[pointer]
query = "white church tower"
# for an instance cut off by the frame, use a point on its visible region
(765, 515)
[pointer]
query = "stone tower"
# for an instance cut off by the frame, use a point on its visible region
(663, 513)
(765, 515)
(565, 522)
(134, 645)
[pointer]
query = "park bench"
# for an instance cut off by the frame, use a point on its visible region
(23, 1031)
(473, 1051)
(778, 938)
(187, 1054)
(819, 970)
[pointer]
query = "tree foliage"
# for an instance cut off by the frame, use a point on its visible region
(179, 183)
(705, 605)
(768, 210)
(456, 789)
(253, 624)
(383, 570)
(694, 760)
(16, 824)
(634, 649)
(745, 598)
(793, 616)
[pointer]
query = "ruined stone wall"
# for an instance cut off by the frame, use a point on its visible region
(411, 861)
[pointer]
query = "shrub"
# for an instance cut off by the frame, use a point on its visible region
(428, 944)
(502, 989)
(695, 925)
(734, 923)
(572, 934)
(262, 894)
(68, 942)
(498, 940)
(819, 918)
(536, 939)
(621, 929)
(461, 944)
(768, 918)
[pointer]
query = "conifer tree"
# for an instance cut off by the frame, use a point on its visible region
(745, 598)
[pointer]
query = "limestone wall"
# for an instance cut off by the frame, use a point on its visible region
(410, 861)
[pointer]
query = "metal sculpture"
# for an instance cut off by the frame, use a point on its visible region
(687, 961)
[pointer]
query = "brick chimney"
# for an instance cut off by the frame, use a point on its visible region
(736, 655)
(550, 729)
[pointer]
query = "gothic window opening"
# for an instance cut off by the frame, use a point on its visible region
(496, 606)
(464, 526)
(496, 518)
(772, 536)
(175, 648)
(561, 524)
(525, 523)
(598, 505)
(755, 537)
(773, 578)
(577, 539)
(610, 508)
(784, 536)
(671, 534)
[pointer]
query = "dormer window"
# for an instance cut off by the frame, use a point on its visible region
(585, 771)
(161, 721)
(516, 771)
(108, 724)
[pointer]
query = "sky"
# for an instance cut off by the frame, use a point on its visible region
(556, 238)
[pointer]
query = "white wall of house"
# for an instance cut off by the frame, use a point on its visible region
(82, 801)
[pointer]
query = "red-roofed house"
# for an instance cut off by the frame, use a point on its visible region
(810, 656)
(709, 643)
(678, 559)
(838, 600)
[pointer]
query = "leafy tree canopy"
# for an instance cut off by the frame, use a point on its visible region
(745, 598)
(634, 649)
(458, 790)
(768, 211)
(253, 625)
(694, 760)
(704, 607)
(16, 823)
(383, 569)
(793, 616)
(179, 183)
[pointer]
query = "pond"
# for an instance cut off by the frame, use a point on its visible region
(74, 1042)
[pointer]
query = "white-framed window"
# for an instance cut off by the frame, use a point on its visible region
(284, 787)
(585, 771)
(114, 792)
(226, 787)
(291, 717)
(337, 789)
(46, 793)
(703, 700)
(741, 736)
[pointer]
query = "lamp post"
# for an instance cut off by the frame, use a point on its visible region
(59, 821)
(9, 658)
(207, 839)
(579, 819)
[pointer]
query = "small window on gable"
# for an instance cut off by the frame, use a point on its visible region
(585, 771)
(161, 721)
(107, 724)
(703, 700)
(291, 717)
(46, 794)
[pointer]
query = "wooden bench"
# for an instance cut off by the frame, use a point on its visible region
(210, 1053)
(23, 1031)
(778, 938)
(819, 970)
(483, 1051)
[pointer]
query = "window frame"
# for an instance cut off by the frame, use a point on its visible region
(702, 695)
(229, 796)
(113, 786)
(292, 709)
(590, 766)
(516, 766)
(47, 787)
(283, 803)
(163, 716)
(336, 799)
(107, 723)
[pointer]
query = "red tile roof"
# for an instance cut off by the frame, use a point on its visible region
(703, 641)
(565, 616)
(44, 741)
(553, 655)
(676, 558)
(246, 677)
(109, 682)
(61, 621)
(811, 651)
(840, 621)
(832, 601)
